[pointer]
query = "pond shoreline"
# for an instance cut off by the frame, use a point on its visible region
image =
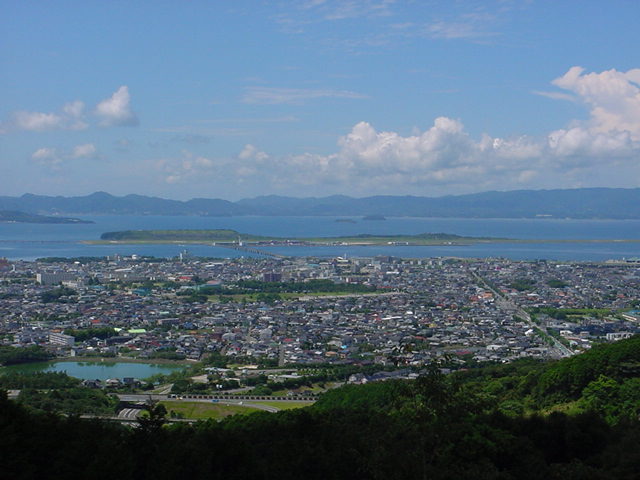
(91, 368)
(149, 361)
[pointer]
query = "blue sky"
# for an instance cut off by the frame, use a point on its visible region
(226, 99)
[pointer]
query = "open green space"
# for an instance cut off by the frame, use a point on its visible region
(203, 411)
(282, 405)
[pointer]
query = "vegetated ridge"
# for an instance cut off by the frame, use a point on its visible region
(568, 203)
(232, 236)
(576, 418)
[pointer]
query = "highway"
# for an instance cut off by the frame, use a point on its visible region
(241, 400)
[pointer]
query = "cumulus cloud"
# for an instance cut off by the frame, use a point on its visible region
(446, 158)
(189, 167)
(88, 150)
(113, 111)
(612, 96)
(442, 154)
(54, 157)
(116, 110)
(70, 118)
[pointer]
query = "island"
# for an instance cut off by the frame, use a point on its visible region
(245, 241)
(227, 237)
(12, 216)
(374, 217)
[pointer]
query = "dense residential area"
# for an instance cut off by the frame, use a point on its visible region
(383, 310)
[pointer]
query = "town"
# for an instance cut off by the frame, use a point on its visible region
(404, 313)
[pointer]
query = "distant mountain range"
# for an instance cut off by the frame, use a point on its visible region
(575, 203)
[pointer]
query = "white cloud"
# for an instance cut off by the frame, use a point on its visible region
(445, 158)
(369, 160)
(269, 95)
(74, 109)
(46, 154)
(249, 152)
(54, 157)
(194, 168)
(74, 113)
(88, 150)
(555, 95)
(612, 96)
(70, 118)
(187, 167)
(116, 110)
(37, 121)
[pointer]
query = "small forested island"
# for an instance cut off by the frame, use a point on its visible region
(232, 237)
(374, 217)
(12, 216)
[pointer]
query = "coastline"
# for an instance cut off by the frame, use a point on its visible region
(354, 243)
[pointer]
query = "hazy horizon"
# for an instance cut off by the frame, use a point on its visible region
(356, 197)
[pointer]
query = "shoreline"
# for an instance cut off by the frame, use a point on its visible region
(150, 361)
(347, 243)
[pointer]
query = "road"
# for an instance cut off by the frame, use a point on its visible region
(129, 413)
(244, 402)
(510, 305)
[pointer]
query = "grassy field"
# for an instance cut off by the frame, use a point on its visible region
(282, 405)
(203, 411)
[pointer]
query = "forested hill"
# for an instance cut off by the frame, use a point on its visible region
(572, 419)
(570, 203)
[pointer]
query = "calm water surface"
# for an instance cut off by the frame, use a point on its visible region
(95, 370)
(31, 241)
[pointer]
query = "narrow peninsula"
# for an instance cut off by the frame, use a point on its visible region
(12, 216)
(228, 237)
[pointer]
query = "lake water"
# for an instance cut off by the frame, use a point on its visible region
(31, 241)
(95, 370)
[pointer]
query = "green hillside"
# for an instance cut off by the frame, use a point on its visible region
(496, 422)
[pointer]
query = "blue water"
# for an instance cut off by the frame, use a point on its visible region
(96, 370)
(31, 241)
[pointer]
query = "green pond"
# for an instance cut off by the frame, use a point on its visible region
(95, 370)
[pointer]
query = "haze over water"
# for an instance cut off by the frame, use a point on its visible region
(31, 241)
